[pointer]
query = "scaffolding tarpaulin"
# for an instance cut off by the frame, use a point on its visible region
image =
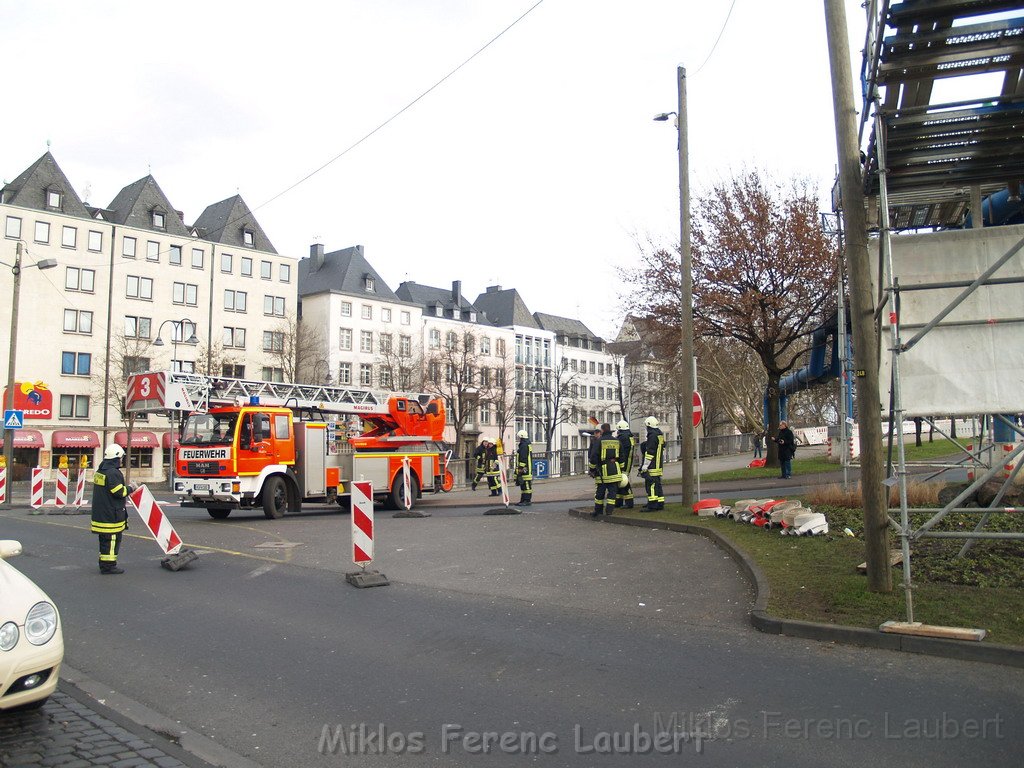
(973, 360)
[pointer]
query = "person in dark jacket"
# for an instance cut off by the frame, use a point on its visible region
(787, 449)
(627, 450)
(524, 468)
(604, 468)
(493, 472)
(654, 459)
(109, 516)
(479, 463)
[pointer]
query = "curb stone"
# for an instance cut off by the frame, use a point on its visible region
(761, 620)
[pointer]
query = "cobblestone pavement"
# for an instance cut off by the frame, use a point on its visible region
(72, 731)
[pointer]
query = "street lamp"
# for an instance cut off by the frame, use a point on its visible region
(13, 356)
(686, 293)
(178, 329)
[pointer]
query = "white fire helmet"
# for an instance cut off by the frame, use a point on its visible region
(522, 433)
(650, 421)
(113, 451)
(622, 425)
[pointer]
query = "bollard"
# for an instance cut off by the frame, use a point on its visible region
(36, 499)
(60, 494)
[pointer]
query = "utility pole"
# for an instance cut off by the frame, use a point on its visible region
(865, 343)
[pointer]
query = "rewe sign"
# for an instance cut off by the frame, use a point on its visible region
(34, 398)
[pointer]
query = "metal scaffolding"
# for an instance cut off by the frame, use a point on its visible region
(930, 166)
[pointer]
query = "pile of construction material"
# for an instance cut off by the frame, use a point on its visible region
(790, 517)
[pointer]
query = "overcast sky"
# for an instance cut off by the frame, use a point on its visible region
(535, 166)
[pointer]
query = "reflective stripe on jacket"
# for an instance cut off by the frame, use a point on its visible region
(604, 458)
(108, 498)
(654, 451)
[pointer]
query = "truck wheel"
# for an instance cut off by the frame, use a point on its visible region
(396, 499)
(218, 513)
(275, 497)
(345, 503)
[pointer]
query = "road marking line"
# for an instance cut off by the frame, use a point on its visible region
(261, 570)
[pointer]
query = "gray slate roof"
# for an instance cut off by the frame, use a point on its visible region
(343, 271)
(565, 326)
(29, 189)
(134, 207)
(224, 222)
(505, 308)
(427, 296)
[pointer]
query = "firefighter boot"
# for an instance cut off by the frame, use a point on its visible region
(110, 568)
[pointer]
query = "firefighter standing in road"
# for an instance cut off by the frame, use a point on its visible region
(492, 472)
(604, 468)
(109, 516)
(479, 463)
(524, 468)
(627, 448)
(654, 459)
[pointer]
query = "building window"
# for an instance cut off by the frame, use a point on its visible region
(75, 363)
(273, 374)
(385, 315)
(273, 341)
(226, 262)
(74, 406)
(247, 266)
(485, 345)
(266, 270)
(600, 369)
(346, 309)
(499, 347)
(77, 321)
(485, 414)
(13, 228)
(284, 273)
(234, 338)
(273, 306)
(345, 339)
(137, 327)
(130, 365)
(174, 259)
(344, 373)
(366, 341)
(186, 293)
(405, 346)
(434, 339)
(152, 250)
(369, 284)
(406, 318)
(365, 374)
(69, 237)
(76, 279)
(434, 371)
(234, 301)
(139, 287)
(451, 339)
(232, 371)
(197, 258)
(593, 367)
(366, 312)
(159, 221)
(53, 199)
(248, 238)
(385, 379)
(128, 247)
(42, 232)
(385, 343)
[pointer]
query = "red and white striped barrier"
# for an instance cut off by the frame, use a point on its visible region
(362, 522)
(503, 479)
(60, 495)
(3, 485)
(80, 489)
(406, 485)
(36, 499)
(156, 521)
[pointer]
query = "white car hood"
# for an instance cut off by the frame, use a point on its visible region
(18, 594)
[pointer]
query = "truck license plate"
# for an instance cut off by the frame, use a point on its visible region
(202, 486)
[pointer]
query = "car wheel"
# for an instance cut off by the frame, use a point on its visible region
(275, 497)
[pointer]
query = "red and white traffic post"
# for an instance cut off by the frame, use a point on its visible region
(698, 417)
(160, 528)
(361, 496)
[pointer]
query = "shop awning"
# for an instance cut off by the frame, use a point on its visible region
(165, 441)
(75, 438)
(139, 439)
(25, 438)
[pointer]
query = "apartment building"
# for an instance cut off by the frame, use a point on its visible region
(134, 288)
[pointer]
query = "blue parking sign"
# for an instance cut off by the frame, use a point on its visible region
(540, 468)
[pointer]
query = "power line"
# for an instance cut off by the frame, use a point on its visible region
(720, 33)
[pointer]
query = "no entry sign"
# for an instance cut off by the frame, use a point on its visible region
(698, 409)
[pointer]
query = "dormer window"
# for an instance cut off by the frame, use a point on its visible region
(438, 310)
(53, 199)
(369, 284)
(472, 316)
(248, 238)
(159, 219)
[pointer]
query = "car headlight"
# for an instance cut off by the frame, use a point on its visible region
(8, 636)
(41, 623)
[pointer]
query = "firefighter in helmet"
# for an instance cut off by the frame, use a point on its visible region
(627, 449)
(524, 468)
(109, 516)
(604, 468)
(654, 459)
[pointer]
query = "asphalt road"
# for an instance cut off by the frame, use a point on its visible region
(578, 644)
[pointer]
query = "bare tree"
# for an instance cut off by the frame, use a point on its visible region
(560, 400)
(499, 394)
(763, 272)
(299, 349)
(400, 366)
(452, 373)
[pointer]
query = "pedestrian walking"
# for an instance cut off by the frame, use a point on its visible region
(524, 468)
(652, 466)
(627, 453)
(604, 468)
(758, 443)
(109, 516)
(787, 449)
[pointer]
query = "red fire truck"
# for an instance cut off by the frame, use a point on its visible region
(258, 444)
